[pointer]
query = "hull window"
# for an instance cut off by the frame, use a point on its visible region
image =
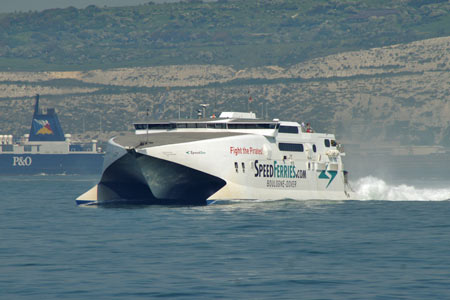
(290, 147)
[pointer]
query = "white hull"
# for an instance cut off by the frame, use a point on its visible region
(226, 165)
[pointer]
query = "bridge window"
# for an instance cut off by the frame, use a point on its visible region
(216, 125)
(195, 125)
(251, 126)
(327, 143)
(288, 129)
(191, 125)
(161, 126)
(290, 147)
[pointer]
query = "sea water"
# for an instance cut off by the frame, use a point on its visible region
(394, 243)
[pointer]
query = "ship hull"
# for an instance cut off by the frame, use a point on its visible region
(33, 164)
(47, 150)
(198, 172)
(141, 179)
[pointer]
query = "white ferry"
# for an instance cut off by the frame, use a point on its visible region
(235, 156)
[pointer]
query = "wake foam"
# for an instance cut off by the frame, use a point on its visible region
(372, 188)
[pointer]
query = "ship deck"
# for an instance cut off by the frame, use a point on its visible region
(131, 140)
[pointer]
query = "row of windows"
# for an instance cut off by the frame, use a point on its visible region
(252, 126)
(154, 126)
(236, 167)
(26, 148)
(299, 147)
(294, 147)
(329, 143)
(7, 148)
(199, 125)
(216, 125)
(166, 126)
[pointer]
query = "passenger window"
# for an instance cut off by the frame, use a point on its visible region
(7, 148)
(288, 129)
(290, 147)
(314, 148)
(327, 143)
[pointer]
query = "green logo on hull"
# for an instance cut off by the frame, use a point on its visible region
(323, 175)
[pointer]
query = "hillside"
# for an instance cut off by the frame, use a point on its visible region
(242, 34)
(393, 95)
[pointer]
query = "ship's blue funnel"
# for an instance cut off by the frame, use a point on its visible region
(45, 127)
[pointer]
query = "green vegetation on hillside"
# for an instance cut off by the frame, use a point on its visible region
(239, 33)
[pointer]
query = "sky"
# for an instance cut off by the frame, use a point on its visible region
(27, 5)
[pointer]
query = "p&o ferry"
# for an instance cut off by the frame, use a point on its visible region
(235, 156)
(47, 150)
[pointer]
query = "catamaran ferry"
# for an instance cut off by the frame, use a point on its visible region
(235, 156)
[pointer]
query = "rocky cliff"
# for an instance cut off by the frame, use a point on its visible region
(397, 95)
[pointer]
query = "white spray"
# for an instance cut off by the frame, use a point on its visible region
(372, 188)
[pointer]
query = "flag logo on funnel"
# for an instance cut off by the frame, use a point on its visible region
(44, 127)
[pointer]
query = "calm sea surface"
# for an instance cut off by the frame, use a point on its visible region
(52, 249)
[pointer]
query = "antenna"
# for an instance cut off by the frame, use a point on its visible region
(36, 105)
(204, 106)
(249, 99)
